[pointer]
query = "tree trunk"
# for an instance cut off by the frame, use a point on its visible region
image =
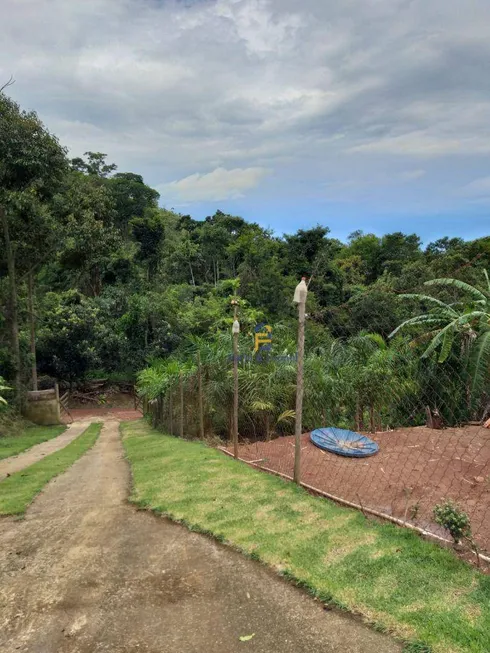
(361, 417)
(267, 427)
(372, 419)
(358, 416)
(170, 413)
(14, 319)
(95, 281)
(192, 274)
(32, 322)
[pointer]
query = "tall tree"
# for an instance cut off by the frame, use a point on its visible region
(85, 213)
(32, 165)
(95, 164)
(133, 198)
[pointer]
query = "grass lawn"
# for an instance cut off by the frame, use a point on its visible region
(11, 445)
(18, 490)
(397, 581)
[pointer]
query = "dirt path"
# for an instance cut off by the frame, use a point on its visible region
(39, 451)
(86, 572)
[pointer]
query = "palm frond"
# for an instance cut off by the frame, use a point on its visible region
(428, 299)
(419, 319)
(438, 338)
(479, 366)
(261, 405)
(487, 279)
(286, 416)
(478, 295)
(447, 344)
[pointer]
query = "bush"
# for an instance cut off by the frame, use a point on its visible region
(454, 519)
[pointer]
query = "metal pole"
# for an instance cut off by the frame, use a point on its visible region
(235, 383)
(300, 298)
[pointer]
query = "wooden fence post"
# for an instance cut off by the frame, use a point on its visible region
(160, 410)
(181, 386)
(300, 299)
(170, 412)
(235, 332)
(199, 390)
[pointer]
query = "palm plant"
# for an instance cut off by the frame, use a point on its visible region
(267, 392)
(369, 376)
(217, 385)
(158, 382)
(325, 389)
(467, 322)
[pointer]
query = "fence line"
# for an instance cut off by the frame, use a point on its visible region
(420, 411)
(425, 533)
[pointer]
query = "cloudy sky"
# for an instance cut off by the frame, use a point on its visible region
(358, 114)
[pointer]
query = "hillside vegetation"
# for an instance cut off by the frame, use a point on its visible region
(98, 278)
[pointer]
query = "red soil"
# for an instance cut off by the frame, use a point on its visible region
(414, 470)
(123, 414)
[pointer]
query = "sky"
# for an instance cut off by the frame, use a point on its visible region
(354, 114)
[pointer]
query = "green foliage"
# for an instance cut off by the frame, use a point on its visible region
(417, 647)
(31, 160)
(358, 383)
(66, 338)
(95, 164)
(464, 323)
(120, 282)
(451, 517)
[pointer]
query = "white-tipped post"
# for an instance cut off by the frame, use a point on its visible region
(300, 295)
(235, 331)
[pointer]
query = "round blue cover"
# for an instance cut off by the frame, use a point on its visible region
(344, 443)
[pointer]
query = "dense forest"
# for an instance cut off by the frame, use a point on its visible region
(97, 278)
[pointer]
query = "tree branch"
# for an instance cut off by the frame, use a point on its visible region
(8, 83)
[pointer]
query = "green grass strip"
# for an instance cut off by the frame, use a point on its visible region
(18, 490)
(11, 445)
(396, 580)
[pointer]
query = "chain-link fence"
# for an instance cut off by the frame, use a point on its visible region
(419, 392)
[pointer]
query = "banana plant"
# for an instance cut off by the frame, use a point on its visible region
(466, 321)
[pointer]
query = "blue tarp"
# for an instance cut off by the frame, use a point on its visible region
(344, 443)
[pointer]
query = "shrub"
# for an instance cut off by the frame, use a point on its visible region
(454, 519)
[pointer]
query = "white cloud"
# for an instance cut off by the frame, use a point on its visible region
(416, 144)
(314, 90)
(412, 175)
(220, 184)
(478, 187)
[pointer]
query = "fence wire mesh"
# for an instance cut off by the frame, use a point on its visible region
(419, 394)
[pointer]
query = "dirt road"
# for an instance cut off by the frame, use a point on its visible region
(39, 451)
(86, 572)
